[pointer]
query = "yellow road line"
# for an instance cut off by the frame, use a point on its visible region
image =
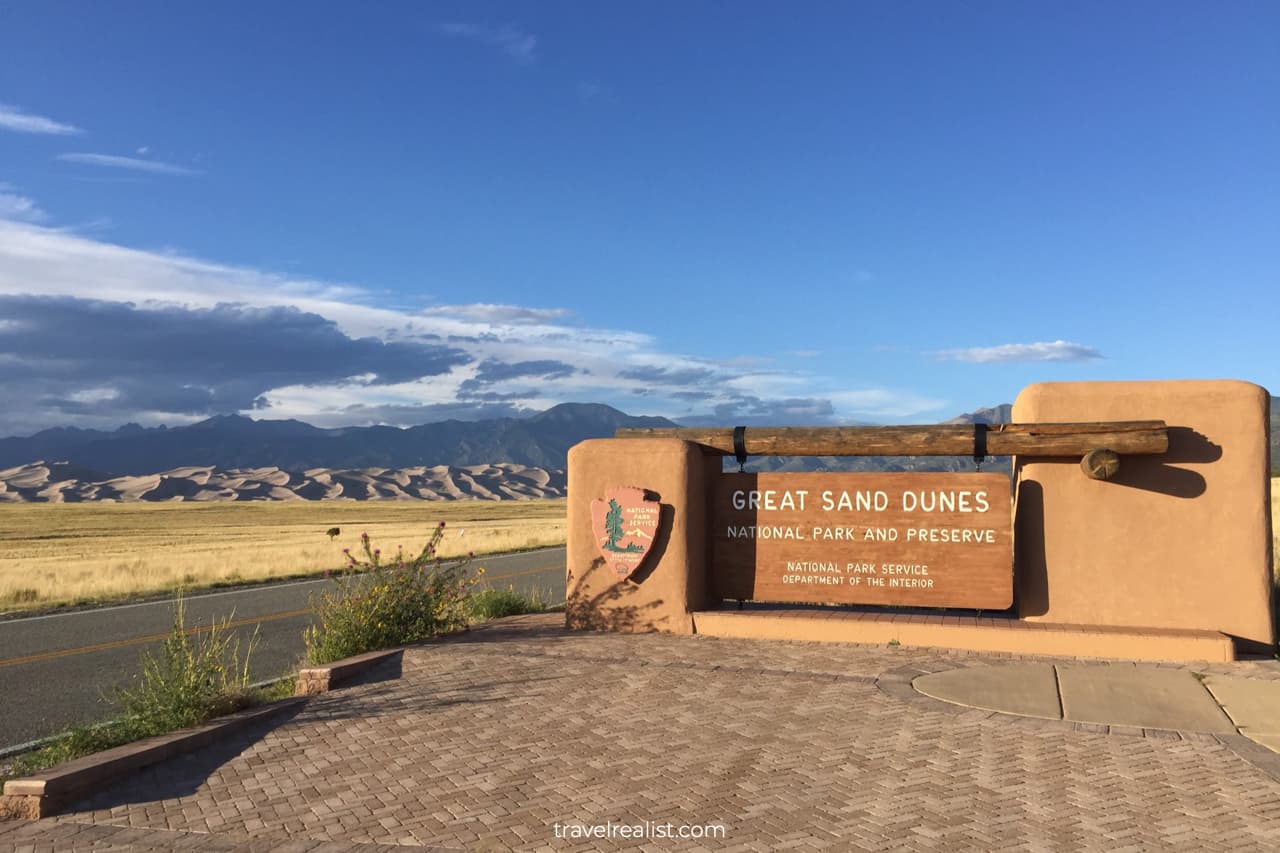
(200, 629)
(522, 573)
(151, 638)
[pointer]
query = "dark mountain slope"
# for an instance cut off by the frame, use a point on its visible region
(231, 441)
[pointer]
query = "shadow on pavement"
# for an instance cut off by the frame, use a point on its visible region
(183, 774)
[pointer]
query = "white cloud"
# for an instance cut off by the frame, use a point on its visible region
(13, 118)
(490, 313)
(15, 206)
(1043, 351)
(882, 403)
(136, 164)
(520, 358)
(510, 41)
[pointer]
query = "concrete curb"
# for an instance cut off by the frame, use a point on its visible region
(321, 679)
(43, 794)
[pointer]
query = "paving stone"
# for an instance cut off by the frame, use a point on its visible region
(1252, 704)
(1027, 689)
(489, 739)
(1143, 696)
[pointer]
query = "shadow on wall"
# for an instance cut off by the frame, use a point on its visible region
(1030, 577)
(731, 565)
(1158, 474)
(607, 610)
(666, 517)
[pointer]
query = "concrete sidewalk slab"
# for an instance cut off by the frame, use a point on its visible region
(1142, 696)
(1029, 690)
(1253, 705)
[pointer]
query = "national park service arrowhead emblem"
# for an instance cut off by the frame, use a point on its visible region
(624, 523)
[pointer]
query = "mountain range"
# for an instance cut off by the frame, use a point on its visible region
(229, 457)
(228, 442)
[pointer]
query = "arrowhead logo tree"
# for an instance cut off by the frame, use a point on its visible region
(624, 523)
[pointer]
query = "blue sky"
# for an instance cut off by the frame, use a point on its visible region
(730, 213)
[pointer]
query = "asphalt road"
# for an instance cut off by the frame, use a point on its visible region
(58, 670)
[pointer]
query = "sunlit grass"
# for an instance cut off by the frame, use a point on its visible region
(70, 553)
(493, 603)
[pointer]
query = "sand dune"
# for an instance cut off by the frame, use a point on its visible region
(43, 482)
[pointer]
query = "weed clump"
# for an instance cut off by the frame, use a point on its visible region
(495, 603)
(199, 673)
(376, 604)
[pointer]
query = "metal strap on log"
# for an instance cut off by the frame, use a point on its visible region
(1101, 442)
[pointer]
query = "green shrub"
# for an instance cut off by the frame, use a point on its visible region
(496, 603)
(377, 605)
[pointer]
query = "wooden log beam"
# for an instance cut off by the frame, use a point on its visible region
(1071, 439)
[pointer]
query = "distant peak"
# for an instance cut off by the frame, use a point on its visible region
(1001, 414)
(579, 409)
(222, 421)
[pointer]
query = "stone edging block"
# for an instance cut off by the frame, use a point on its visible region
(42, 794)
(321, 679)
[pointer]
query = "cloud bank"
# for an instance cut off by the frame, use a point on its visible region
(114, 360)
(1051, 351)
(95, 335)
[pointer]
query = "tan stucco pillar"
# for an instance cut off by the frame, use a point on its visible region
(672, 582)
(1179, 541)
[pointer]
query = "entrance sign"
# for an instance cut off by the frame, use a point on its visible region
(929, 540)
(624, 524)
(1123, 549)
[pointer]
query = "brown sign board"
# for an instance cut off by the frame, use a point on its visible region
(925, 540)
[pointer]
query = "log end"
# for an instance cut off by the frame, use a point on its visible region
(1100, 464)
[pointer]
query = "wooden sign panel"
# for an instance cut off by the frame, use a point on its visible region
(927, 540)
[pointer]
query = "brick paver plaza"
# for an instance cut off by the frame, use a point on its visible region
(489, 740)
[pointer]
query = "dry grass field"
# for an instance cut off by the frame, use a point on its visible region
(70, 553)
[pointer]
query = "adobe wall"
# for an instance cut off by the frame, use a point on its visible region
(1176, 548)
(671, 583)
(1179, 541)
